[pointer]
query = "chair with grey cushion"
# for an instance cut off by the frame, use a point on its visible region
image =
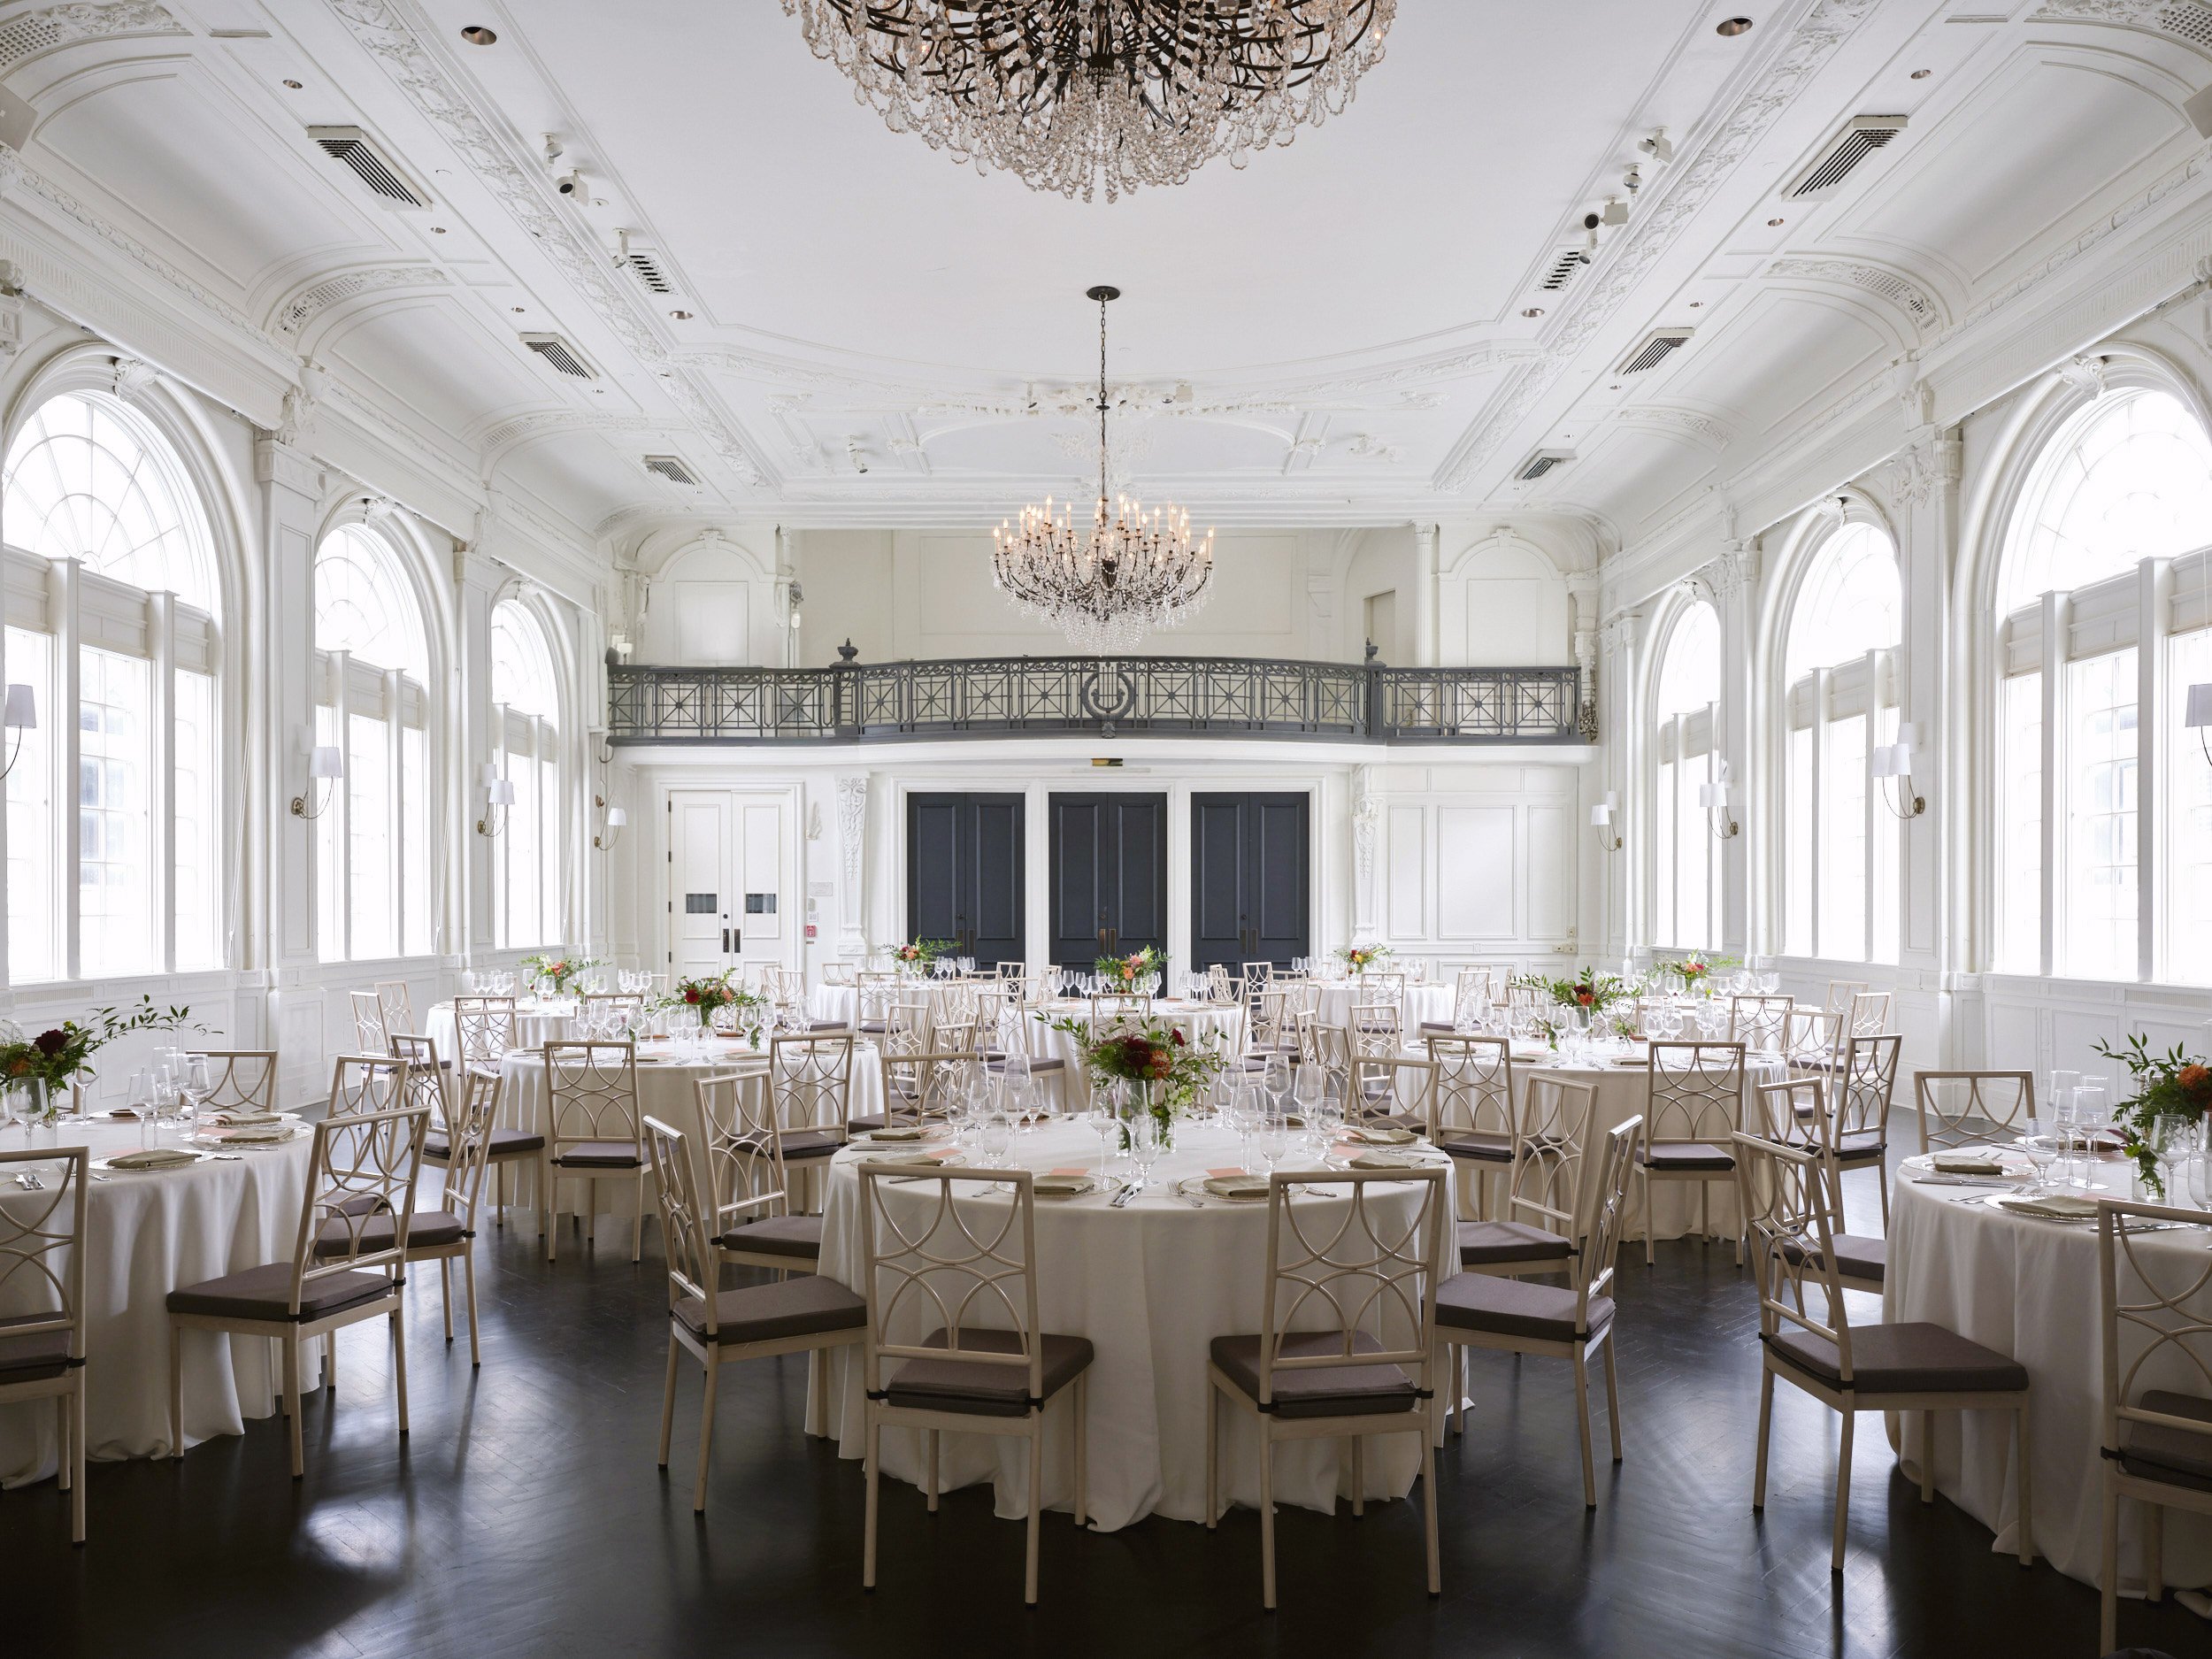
(484, 1027)
(953, 1342)
(743, 1198)
(1808, 1339)
(2157, 1439)
(349, 1254)
(42, 1274)
(1856, 1127)
(874, 993)
(811, 1087)
(1474, 1109)
(1397, 1091)
(1543, 1208)
(1347, 1345)
(1692, 1105)
(1795, 1114)
(715, 1326)
(1570, 1322)
(1973, 1109)
(592, 1131)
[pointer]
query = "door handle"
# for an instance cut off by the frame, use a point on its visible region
(726, 942)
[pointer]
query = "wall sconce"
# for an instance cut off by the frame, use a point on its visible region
(21, 715)
(798, 597)
(1601, 821)
(1894, 760)
(499, 795)
(616, 819)
(2198, 715)
(1713, 798)
(324, 765)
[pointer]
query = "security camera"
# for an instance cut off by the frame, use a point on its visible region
(569, 183)
(1659, 147)
(1591, 221)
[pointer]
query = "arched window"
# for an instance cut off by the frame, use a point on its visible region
(111, 604)
(1686, 743)
(1839, 840)
(371, 676)
(528, 852)
(2103, 622)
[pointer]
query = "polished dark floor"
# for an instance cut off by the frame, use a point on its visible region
(526, 1517)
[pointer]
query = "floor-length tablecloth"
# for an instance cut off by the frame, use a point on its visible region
(1423, 1004)
(537, 1024)
(2028, 1289)
(1150, 1285)
(146, 1234)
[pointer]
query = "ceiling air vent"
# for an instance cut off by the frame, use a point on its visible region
(1657, 346)
(355, 150)
(1542, 462)
(1563, 270)
(2191, 22)
(555, 350)
(672, 468)
(643, 264)
(1861, 138)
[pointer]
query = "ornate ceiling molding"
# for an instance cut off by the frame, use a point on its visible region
(389, 38)
(1919, 306)
(26, 37)
(520, 428)
(1656, 228)
(295, 314)
(1689, 421)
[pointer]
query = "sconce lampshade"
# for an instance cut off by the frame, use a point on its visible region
(617, 817)
(22, 711)
(503, 792)
(2198, 712)
(326, 761)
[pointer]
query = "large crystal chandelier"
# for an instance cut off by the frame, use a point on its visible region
(1071, 95)
(1105, 583)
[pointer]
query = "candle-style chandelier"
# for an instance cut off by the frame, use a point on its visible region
(1075, 95)
(1103, 584)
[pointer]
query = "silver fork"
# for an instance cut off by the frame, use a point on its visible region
(30, 1182)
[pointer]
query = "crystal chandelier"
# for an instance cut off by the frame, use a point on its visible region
(1073, 95)
(1105, 584)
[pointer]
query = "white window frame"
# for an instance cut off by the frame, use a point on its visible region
(1864, 687)
(347, 689)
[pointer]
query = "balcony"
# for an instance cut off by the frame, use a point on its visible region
(1095, 696)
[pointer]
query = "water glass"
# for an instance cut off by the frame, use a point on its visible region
(994, 1138)
(1100, 1121)
(2173, 1141)
(1274, 1138)
(1144, 1145)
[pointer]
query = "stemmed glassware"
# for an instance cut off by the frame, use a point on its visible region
(1100, 1121)
(2174, 1140)
(1144, 1146)
(1274, 1140)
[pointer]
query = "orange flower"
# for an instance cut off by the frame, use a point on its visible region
(2194, 1078)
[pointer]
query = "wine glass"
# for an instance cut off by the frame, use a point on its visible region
(1144, 1146)
(2042, 1146)
(2173, 1139)
(1311, 1089)
(198, 1083)
(1273, 1140)
(994, 1137)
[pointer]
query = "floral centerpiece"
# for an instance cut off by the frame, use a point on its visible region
(704, 995)
(1694, 971)
(565, 972)
(2169, 1084)
(916, 954)
(1125, 974)
(1359, 958)
(1587, 990)
(62, 1055)
(1165, 1069)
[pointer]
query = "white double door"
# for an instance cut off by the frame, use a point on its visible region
(729, 899)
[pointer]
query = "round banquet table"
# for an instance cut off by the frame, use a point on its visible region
(2028, 1287)
(841, 1002)
(537, 1024)
(147, 1233)
(1151, 1284)
(1424, 1004)
(1199, 1023)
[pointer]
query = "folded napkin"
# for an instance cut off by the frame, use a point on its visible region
(2051, 1206)
(1965, 1164)
(1383, 1159)
(1236, 1185)
(897, 1131)
(154, 1158)
(241, 1119)
(1064, 1185)
(259, 1134)
(1382, 1134)
(897, 1157)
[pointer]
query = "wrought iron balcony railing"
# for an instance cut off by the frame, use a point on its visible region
(1014, 696)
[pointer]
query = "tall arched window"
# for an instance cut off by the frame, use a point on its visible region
(1685, 746)
(371, 701)
(1839, 840)
(2103, 622)
(527, 855)
(112, 620)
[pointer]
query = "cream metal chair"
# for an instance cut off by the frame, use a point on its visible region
(1270, 1027)
(837, 972)
(1973, 1109)
(1794, 1114)
(874, 992)
(395, 1006)
(592, 1131)
(1692, 1107)
(1377, 1031)
(797, 1315)
(1569, 1322)
(41, 1273)
(462, 1134)
(347, 1258)
(1888, 1367)
(1347, 1344)
(1475, 990)
(594, 1006)
(369, 1033)
(1839, 994)
(239, 1079)
(1255, 977)
(1111, 1011)
(1396, 1091)
(2153, 1329)
(1857, 1127)
(1474, 1109)
(744, 1198)
(1760, 1023)
(811, 1095)
(1013, 969)
(925, 1088)
(1544, 1208)
(484, 1028)
(965, 1269)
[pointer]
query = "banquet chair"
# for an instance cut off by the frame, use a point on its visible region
(1474, 1108)
(591, 1120)
(395, 1006)
(1111, 1010)
(1255, 977)
(744, 1199)
(1810, 1037)
(1693, 1105)
(793, 1315)
(240, 1079)
(874, 991)
(1760, 1023)
(1396, 1091)
(1839, 994)
(1013, 969)
(1328, 1047)
(1219, 988)
(349, 1255)
(1869, 1014)
(1376, 1030)
(1794, 1114)
(1570, 1322)
(1270, 1027)
(837, 972)
(42, 1350)
(485, 1028)
(811, 1093)
(1888, 1367)
(593, 1006)
(2157, 1441)
(1973, 1109)
(1013, 1037)
(933, 1261)
(924, 1088)
(1857, 1125)
(905, 1025)
(369, 1033)
(1474, 992)
(1543, 1188)
(1347, 1344)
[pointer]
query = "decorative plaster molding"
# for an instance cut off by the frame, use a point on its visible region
(1585, 644)
(2142, 13)
(1618, 634)
(2083, 374)
(1926, 467)
(852, 822)
(1688, 420)
(25, 37)
(1920, 308)
(292, 316)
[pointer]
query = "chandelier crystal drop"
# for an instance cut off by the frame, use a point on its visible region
(1076, 95)
(1105, 584)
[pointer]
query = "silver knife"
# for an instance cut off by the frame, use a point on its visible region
(1120, 1200)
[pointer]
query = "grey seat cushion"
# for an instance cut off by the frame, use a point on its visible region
(1860, 1255)
(985, 1390)
(769, 1313)
(2180, 1458)
(1348, 1391)
(1691, 1155)
(803, 1145)
(1861, 1143)
(1495, 1244)
(1035, 1064)
(857, 1124)
(505, 1143)
(777, 1235)
(598, 1155)
(34, 1355)
(1489, 1149)
(425, 1228)
(1513, 1306)
(1914, 1358)
(264, 1292)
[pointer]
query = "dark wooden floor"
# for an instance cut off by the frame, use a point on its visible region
(526, 1517)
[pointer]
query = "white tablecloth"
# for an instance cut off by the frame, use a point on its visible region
(841, 1002)
(537, 1024)
(146, 1234)
(1423, 1003)
(1199, 1022)
(1151, 1285)
(2028, 1288)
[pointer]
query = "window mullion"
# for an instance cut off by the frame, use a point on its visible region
(162, 625)
(395, 809)
(341, 802)
(1818, 809)
(2054, 625)
(2155, 581)
(69, 678)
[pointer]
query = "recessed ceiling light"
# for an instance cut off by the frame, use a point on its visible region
(1922, 74)
(682, 317)
(1616, 386)
(1772, 223)
(1533, 311)
(295, 85)
(1732, 26)
(437, 230)
(477, 34)
(1695, 303)
(517, 309)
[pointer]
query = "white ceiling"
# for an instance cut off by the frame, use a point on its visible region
(1334, 334)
